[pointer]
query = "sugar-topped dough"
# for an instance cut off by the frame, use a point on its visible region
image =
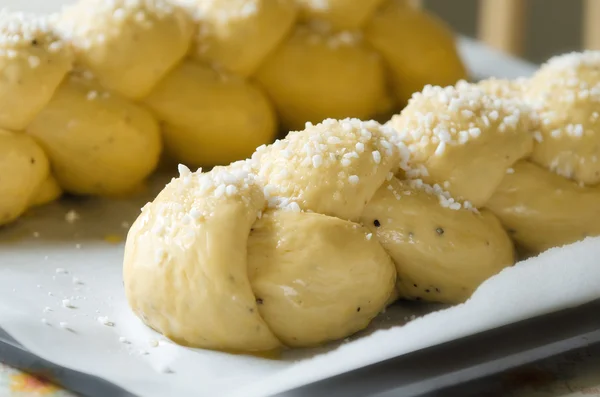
(33, 61)
(338, 15)
(129, 44)
(314, 75)
(237, 35)
(211, 118)
(98, 142)
(333, 168)
(464, 138)
(566, 94)
(185, 267)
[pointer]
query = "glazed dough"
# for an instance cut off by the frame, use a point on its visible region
(316, 278)
(98, 143)
(237, 35)
(441, 255)
(542, 210)
(339, 14)
(33, 61)
(185, 266)
(566, 93)
(129, 44)
(464, 138)
(417, 47)
(23, 168)
(48, 191)
(313, 76)
(211, 119)
(332, 168)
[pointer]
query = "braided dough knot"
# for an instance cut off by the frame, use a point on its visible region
(303, 243)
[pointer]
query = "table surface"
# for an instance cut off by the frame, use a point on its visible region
(576, 374)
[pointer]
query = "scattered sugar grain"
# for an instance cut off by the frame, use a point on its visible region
(72, 216)
(67, 304)
(105, 321)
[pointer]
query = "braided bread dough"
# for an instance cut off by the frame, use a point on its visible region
(275, 236)
(98, 143)
(198, 65)
(428, 203)
(23, 169)
(33, 61)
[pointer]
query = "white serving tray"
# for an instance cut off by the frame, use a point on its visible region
(34, 248)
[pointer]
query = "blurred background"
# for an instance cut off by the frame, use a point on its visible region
(547, 27)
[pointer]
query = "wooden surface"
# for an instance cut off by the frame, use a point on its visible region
(502, 24)
(591, 26)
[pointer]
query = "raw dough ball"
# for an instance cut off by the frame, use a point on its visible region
(542, 210)
(23, 168)
(209, 118)
(313, 76)
(566, 93)
(339, 14)
(48, 191)
(185, 267)
(441, 255)
(326, 292)
(464, 138)
(98, 143)
(237, 35)
(33, 61)
(418, 48)
(129, 44)
(332, 168)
